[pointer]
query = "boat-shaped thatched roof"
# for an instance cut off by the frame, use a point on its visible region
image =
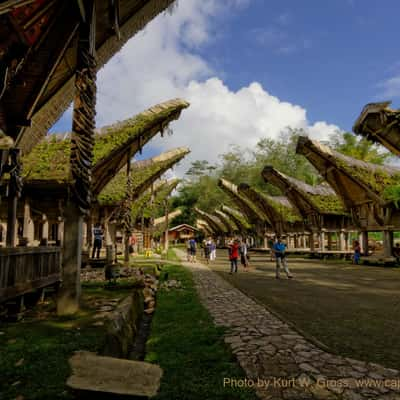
(355, 181)
(212, 220)
(205, 227)
(243, 202)
(161, 192)
(162, 220)
(40, 40)
(307, 199)
(49, 160)
(380, 124)
(238, 217)
(227, 220)
(278, 208)
(143, 175)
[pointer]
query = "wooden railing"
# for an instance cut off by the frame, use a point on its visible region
(24, 269)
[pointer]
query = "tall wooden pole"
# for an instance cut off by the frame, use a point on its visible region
(166, 244)
(82, 141)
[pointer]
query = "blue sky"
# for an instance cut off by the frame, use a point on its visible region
(250, 68)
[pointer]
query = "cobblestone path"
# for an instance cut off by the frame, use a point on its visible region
(278, 361)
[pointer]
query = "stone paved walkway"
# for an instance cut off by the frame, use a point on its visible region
(278, 361)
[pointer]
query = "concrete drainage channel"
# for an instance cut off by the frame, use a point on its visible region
(119, 369)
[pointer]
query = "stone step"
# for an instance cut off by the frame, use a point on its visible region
(99, 375)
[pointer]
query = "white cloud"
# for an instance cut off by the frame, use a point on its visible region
(162, 63)
(389, 88)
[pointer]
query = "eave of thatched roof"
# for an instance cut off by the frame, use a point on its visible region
(143, 175)
(227, 220)
(162, 220)
(355, 181)
(212, 220)
(113, 145)
(243, 202)
(41, 83)
(160, 192)
(238, 217)
(277, 208)
(306, 198)
(380, 124)
(205, 227)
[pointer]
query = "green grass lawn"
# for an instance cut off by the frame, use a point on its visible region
(353, 310)
(34, 353)
(189, 348)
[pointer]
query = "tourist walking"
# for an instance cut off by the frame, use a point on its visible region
(193, 248)
(234, 255)
(357, 252)
(243, 254)
(98, 240)
(207, 251)
(279, 250)
(213, 254)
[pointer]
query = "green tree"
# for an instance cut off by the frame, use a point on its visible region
(360, 148)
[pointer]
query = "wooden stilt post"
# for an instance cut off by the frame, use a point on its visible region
(387, 243)
(364, 242)
(166, 239)
(82, 141)
(14, 192)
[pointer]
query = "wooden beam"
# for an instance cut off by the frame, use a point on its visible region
(82, 9)
(10, 5)
(53, 66)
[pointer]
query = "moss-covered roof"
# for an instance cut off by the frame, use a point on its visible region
(322, 197)
(49, 160)
(243, 202)
(380, 124)
(372, 177)
(212, 220)
(143, 174)
(278, 207)
(160, 193)
(240, 219)
(227, 220)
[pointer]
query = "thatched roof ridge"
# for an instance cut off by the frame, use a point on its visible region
(244, 203)
(238, 217)
(322, 198)
(371, 178)
(380, 124)
(58, 96)
(205, 227)
(49, 160)
(171, 216)
(277, 208)
(227, 221)
(212, 220)
(143, 175)
(161, 191)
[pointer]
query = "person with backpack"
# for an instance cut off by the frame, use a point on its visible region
(193, 247)
(279, 250)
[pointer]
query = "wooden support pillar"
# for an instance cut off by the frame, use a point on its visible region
(364, 242)
(387, 243)
(70, 291)
(312, 242)
(329, 236)
(11, 240)
(60, 233)
(166, 240)
(342, 241)
(82, 142)
(45, 230)
(28, 229)
(322, 241)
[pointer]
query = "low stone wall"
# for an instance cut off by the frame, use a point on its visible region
(123, 325)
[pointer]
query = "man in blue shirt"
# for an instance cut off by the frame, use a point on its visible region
(98, 239)
(279, 250)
